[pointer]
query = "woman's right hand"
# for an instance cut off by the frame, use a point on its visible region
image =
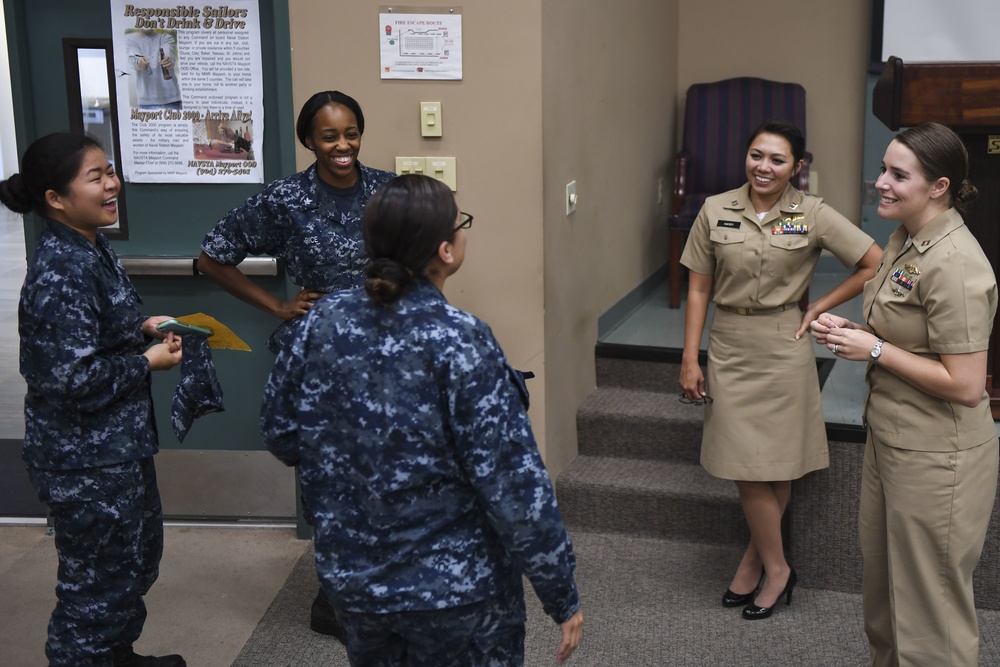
(692, 380)
(824, 323)
(165, 355)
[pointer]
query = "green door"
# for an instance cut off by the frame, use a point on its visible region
(221, 470)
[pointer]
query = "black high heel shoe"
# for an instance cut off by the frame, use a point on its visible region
(753, 613)
(731, 599)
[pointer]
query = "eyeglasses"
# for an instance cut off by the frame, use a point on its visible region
(466, 221)
(704, 400)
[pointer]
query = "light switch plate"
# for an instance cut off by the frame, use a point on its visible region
(443, 169)
(570, 197)
(430, 119)
(411, 165)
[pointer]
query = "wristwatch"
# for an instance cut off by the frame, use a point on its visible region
(877, 350)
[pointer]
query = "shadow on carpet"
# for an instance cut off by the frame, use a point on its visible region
(646, 603)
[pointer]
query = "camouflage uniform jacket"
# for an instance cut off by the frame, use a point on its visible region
(418, 465)
(88, 402)
(296, 220)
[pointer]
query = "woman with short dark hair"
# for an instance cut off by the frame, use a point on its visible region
(311, 219)
(753, 251)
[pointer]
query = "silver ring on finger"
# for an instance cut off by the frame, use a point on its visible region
(836, 346)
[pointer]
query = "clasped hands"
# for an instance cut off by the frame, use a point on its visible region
(842, 337)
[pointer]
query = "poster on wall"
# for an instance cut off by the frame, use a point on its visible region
(420, 43)
(190, 91)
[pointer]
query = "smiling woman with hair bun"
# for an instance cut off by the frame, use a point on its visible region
(89, 432)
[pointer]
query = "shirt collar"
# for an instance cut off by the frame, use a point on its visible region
(788, 205)
(938, 228)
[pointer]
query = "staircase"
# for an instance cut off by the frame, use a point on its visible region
(638, 474)
(637, 471)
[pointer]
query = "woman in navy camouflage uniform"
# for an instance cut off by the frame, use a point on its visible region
(410, 429)
(312, 219)
(89, 431)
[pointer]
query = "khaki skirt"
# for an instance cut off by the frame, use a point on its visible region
(765, 423)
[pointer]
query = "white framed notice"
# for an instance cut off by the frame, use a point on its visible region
(420, 43)
(190, 91)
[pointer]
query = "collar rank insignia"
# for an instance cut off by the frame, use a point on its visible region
(736, 202)
(904, 278)
(787, 226)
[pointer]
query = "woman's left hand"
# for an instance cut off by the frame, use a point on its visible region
(572, 633)
(850, 344)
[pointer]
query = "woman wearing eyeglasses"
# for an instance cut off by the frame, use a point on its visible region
(753, 251)
(411, 434)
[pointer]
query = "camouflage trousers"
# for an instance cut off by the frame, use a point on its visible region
(109, 539)
(485, 634)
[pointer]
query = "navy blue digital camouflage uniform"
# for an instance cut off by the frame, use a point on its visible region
(296, 219)
(418, 465)
(89, 442)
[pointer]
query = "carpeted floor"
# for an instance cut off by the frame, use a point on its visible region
(646, 603)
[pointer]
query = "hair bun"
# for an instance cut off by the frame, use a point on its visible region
(387, 279)
(966, 192)
(14, 194)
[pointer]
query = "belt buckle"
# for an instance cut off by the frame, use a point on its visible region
(744, 311)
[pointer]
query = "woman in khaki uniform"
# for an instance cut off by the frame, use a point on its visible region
(758, 247)
(930, 472)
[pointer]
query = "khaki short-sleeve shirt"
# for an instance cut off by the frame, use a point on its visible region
(935, 295)
(767, 263)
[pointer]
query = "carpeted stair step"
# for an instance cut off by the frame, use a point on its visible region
(629, 423)
(658, 376)
(650, 498)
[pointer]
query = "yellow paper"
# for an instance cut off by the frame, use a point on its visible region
(222, 337)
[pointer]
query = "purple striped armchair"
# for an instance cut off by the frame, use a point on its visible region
(718, 120)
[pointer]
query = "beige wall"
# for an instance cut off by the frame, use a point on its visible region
(492, 125)
(821, 45)
(585, 90)
(609, 81)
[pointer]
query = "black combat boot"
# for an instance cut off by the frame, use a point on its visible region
(323, 620)
(124, 656)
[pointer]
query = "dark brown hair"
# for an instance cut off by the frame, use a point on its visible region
(941, 154)
(403, 226)
(50, 163)
(782, 128)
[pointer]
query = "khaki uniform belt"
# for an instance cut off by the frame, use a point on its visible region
(756, 311)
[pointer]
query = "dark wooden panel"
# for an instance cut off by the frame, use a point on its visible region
(963, 96)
